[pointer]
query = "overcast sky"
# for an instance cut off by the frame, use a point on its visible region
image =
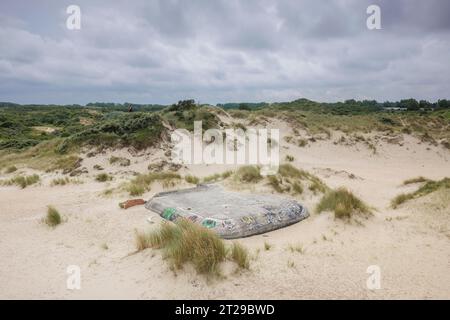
(214, 51)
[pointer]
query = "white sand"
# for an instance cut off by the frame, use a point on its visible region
(410, 245)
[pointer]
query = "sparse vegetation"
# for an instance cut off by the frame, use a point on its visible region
(21, 181)
(123, 162)
(248, 174)
(343, 203)
(289, 158)
(143, 182)
(429, 187)
(192, 179)
(103, 177)
(217, 176)
(53, 217)
(291, 179)
(415, 180)
(60, 181)
(239, 254)
(267, 246)
(299, 248)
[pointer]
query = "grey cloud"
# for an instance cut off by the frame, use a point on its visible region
(215, 51)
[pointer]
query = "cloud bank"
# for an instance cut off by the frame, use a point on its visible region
(223, 50)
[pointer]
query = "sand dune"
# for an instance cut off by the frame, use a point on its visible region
(410, 244)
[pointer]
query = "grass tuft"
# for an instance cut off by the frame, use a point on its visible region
(103, 177)
(53, 217)
(142, 182)
(248, 174)
(415, 180)
(192, 179)
(21, 181)
(239, 254)
(186, 242)
(344, 204)
(429, 187)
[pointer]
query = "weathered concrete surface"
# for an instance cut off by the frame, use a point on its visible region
(230, 214)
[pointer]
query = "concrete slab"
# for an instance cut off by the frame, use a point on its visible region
(230, 214)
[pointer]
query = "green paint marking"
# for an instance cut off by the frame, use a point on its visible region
(168, 213)
(208, 223)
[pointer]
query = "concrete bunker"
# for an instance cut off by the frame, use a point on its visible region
(230, 214)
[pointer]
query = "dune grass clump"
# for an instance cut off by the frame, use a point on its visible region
(290, 179)
(142, 183)
(60, 181)
(103, 177)
(22, 181)
(415, 180)
(289, 158)
(239, 254)
(248, 174)
(429, 187)
(186, 242)
(343, 203)
(53, 217)
(217, 176)
(192, 179)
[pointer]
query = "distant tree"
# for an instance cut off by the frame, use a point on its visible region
(410, 104)
(424, 104)
(244, 106)
(443, 104)
(183, 105)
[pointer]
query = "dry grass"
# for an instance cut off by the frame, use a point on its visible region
(21, 181)
(299, 248)
(143, 182)
(187, 242)
(239, 254)
(248, 174)
(415, 180)
(217, 176)
(192, 179)
(344, 204)
(429, 187)
(291, 179)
